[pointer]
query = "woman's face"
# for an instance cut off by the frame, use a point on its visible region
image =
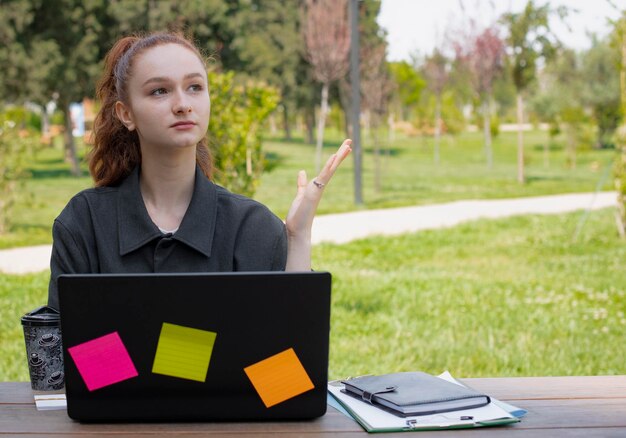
(169, 102)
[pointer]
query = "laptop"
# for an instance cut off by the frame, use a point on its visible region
(195, 346)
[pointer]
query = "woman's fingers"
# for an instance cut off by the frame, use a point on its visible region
(302, 181)
(333, 163)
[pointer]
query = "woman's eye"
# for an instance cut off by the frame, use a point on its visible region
(158, 91)
(196, 87)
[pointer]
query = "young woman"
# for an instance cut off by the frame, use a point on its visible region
(154, 207)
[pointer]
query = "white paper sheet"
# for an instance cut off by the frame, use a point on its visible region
(378, 419)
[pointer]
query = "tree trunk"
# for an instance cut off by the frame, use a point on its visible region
(272, 123)
(45, 127)
(437, 127)
(377, 158)
(487, 132)
(309, 119)
(546, 150)
(348, 122)
(45, 121)
(70, 145)
(520, 139)
(391, 127)
(620, 165)
(286, 124)
(570, 134)
(321, 122)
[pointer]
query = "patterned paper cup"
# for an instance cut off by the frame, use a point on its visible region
(42, 333)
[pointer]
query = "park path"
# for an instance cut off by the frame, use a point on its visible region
(344, 227)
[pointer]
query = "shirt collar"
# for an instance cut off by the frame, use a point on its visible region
(135, 228)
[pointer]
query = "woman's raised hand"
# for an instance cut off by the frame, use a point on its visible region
(300, 217)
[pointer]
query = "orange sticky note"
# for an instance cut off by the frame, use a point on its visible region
(279, 378)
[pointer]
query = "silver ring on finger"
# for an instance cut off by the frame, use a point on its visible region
(318, 184)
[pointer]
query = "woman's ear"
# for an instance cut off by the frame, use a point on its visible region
(124, 114)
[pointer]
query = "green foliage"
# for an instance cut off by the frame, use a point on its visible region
(529, 40)
(237, 114)
(57, 118)
(601, 88)
(619, 40)
(268, 47)
(504, 96)
(619, 173)
(23, 118)
(451, 114)
(494, 125)
(409, 85)
(562, 101)
(16, 153)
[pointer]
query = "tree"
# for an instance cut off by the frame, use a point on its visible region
(16, 153)
(564, 88)
(482, 55)
(237, 113)
(377, 87)
(409, 86)
(619, 40)
(327, 38)
(545, 107)
(212, 24)
(529, 40)
(268, 48)
(61, 40)
(601, 88)
(437, 72)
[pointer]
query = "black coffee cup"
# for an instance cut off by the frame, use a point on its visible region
(42, 333)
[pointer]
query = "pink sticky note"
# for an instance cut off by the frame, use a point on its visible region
(103, 361)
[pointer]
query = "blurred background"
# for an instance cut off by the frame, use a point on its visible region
(447, 101)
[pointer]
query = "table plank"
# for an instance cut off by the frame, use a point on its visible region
(504, 388)
(493, 433)
(543, 414)
(529, 388)
(16, 392)
(558, 406)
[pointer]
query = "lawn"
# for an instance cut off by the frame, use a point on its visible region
(506, 297)
(409, 177)
(511, 297)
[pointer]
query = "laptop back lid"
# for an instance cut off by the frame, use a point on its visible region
(210, 346)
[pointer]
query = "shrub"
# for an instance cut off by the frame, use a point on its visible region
(16, 152)
(237, 113)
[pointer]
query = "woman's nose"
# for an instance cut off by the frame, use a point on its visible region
(181, 106)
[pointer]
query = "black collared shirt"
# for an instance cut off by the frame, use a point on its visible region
(108, 230)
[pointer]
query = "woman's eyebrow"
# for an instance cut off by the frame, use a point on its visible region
(160, 79)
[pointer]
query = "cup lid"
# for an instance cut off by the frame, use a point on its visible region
(42, 316)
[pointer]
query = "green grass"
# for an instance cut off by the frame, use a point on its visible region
(509, 297)
(409, 177)
(512, 297)
(18, 294)
(46, 192)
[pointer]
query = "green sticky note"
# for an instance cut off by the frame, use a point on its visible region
(183, 352)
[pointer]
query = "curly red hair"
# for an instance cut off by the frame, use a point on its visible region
(116, 151)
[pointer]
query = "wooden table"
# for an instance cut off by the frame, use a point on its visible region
(557, 407)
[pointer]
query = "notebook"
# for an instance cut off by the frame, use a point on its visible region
(195, 347)
(413, 393)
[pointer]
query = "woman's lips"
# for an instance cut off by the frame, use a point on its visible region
(183, 125)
